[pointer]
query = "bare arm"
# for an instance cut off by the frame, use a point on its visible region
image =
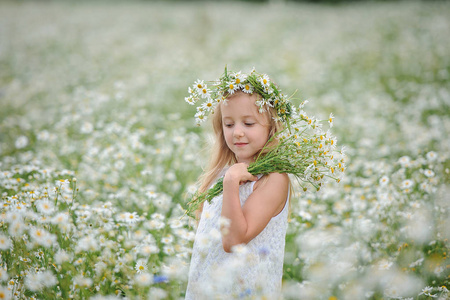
(265, 202)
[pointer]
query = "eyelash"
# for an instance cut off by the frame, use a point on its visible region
(246, 124)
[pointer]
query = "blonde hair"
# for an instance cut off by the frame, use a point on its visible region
(221, 155)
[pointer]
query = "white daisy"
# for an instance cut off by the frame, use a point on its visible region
(147, 250)
(384, 180)
(232, 87)
(61, 256)
(191, 100)
(265, 81)
(199, 85)
(143, 279)
(384, 264)
(5, 293)
(45, 207)
(21, 142)
(428, 173)
(330, 120)
(168, 239)
(156, 294)
(247, 88)
(431, 156)
(141, 266)
(81, 281)
(205, 92)
(60, 218)
(404, 161)
(407, 184)
(5, 242)
(16, 228)
(200, 117)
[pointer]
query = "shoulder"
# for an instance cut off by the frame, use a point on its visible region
(268, 197)
(279, 180)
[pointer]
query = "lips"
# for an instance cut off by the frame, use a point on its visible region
(240, 144)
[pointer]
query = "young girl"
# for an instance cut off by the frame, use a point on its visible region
(239, 245)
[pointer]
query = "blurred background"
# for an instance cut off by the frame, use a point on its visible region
(95, 90)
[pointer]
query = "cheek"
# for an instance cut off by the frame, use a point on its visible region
(227, 134)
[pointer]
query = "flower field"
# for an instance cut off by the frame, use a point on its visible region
(99, 152)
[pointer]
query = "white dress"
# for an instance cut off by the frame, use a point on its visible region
(251, 270)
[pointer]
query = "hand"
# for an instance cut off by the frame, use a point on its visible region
(238, 173)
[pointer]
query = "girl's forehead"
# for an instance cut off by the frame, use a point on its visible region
(242, 105)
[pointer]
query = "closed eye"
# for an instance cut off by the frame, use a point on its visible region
(228, 125)
(249, 124)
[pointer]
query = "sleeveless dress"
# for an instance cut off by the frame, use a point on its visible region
(251, 270)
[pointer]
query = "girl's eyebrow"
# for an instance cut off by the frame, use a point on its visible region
(246, 116)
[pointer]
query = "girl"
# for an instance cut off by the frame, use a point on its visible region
(239, 244)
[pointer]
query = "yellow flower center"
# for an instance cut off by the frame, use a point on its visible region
(231, 86)
(265, 81)
(238, 81)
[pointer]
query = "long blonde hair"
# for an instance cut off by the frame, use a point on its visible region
(221, 155)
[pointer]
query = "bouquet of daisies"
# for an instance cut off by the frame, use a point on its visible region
(304, 150)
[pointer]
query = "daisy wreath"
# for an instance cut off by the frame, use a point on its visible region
(212, 93)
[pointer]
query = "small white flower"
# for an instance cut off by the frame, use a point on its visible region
(191, 100)
(82, 281)
(205, 92)
(199, 85)
(330, 120)
(431, 156)
(61, 257)
(384, 265)
(129, 218)
(45, 207)
(247, 88)
(157, 294)
(147, 250)
(87, 127)
(265, 81)
(21, 142)
(60, 218)
(438, 270)
(404, 161)
(5, 293)
(143, 279)
(232, 87)
(168, 239)
(175, 223)
(407, 184)
(16, 228)
(141, 266)
(3, 275)
(42, 237)
(5, 242)
(384, 180)
(428, 173)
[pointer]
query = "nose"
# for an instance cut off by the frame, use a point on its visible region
(238, 132)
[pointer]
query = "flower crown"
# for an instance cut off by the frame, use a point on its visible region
(228, 84)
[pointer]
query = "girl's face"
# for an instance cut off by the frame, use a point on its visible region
(246, 131)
